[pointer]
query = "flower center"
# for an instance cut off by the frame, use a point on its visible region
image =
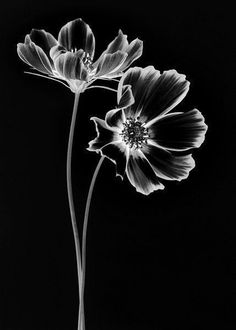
(87, 61)
(86, 58)
(134, 134)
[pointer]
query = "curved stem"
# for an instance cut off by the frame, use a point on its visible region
(70, 193)
(109, 79)
(85, 225)
(47, 77)
(104, 87)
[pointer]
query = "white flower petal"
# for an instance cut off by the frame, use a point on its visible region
(141, 81)
(105, 135)
(125, 97)
(134, 51)
(56, 51)
(114, 119)
(70, 66)
(44, 40)
(119, 43)
(166, 165)
(140, 173)
(155, 94)
(167, 92)
(179, 131)
(33, 55)
(117, 153)
(110, 63)
(77, 35)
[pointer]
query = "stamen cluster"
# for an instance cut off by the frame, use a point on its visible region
(134, 134)
(87, 61)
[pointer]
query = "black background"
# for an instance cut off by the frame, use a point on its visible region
(161, 262)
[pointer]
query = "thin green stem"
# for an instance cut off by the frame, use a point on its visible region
(70, 193)
(104, 87)
(85, 225)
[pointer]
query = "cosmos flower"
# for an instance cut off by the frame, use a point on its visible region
(71, 57)
(145, 140)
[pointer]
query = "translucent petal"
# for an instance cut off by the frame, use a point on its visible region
(134, 50)
(44, 40)
(117, 153)
(168, 166)
(155, 94)
(166, 92)
(57, 50)
(115, 118)
(34, 55)
(141, 81)
(140, 173)
(110, 63)
(77, 35)
(105, 135)
(179, 131)
(70, 66)
(119, 43)
(125, 97)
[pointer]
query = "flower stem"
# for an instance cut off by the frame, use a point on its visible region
(104, 87)
(47, 77)
(70, 193)
(85, 225)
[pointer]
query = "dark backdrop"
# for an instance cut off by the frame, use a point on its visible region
(161, 262)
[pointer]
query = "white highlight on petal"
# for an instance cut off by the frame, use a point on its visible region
(134, 51)
(119, 156)
(187, 163)
(43, 57)
(195, 126)
(34, 56)
(141, 81)
(110, 63)
(114, 136)
(119, 43)
(141, 174)
(180, 78)
(113, 121)
(22, 57)
(125, 96)
(169, 166)
(69, 39)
